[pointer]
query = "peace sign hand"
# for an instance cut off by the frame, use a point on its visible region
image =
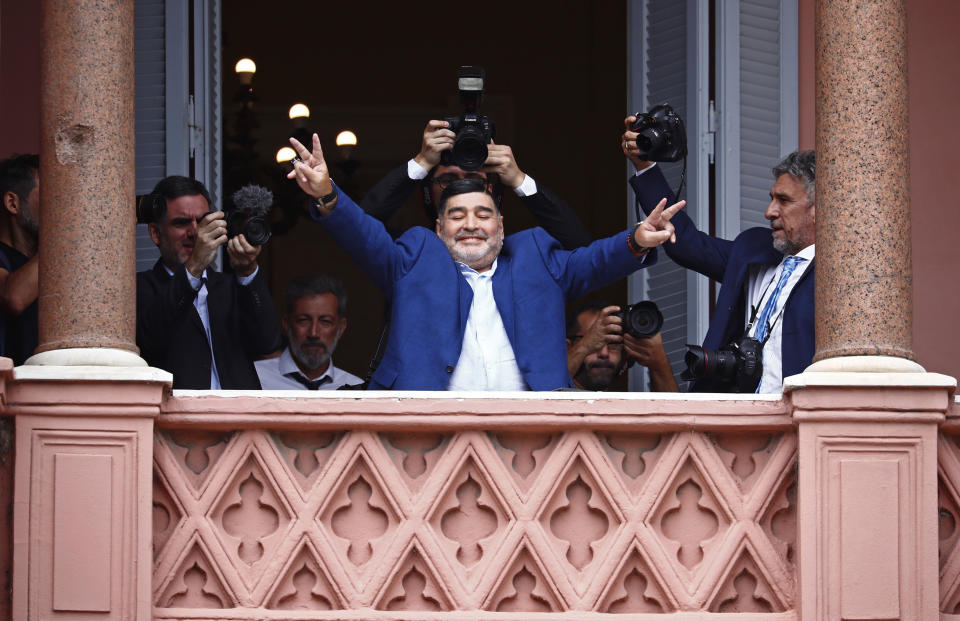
(657, 228)
(310, 169)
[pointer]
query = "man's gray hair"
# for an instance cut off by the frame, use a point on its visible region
(317, 285)
(802, 165)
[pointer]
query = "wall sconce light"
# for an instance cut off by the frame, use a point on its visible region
(285, 154)
(346, 138)
(299, 111)
(245, 69)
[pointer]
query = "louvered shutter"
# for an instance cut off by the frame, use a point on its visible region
(760, 68)
(150, 111)
(667, 64)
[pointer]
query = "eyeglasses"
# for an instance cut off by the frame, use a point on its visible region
(444, 180)
(616, 346)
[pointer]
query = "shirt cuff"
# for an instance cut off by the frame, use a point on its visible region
(243, 281)
(527, 188)
(643, 170)
(416, 171)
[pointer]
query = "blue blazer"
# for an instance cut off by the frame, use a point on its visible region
(730, 263)
(430, 299)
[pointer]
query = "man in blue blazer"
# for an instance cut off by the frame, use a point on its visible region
(750, 267)
(470, 309)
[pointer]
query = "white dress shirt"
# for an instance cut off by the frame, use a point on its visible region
(486, 359)
(273, 373)
(760, 287)
(200, 303)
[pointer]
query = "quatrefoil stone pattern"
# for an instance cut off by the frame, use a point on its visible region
(489, 521)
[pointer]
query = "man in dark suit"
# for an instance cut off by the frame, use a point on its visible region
(766, 275)
(205, 327)
(433, 169)
(472, 310)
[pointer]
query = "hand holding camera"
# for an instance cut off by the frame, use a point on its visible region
(500, 160)
(211, 234)
(628, 144)
(243, 255)
(437, 138)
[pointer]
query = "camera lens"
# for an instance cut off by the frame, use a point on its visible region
(649, 140)
(643, 319)
(257, 230)
(702, 362)
(470, 148)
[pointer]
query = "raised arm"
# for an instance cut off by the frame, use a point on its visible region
(693, 249)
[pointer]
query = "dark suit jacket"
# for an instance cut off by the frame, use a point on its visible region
(551, 212)
(243, 325)
(730, 263)
(430, 299)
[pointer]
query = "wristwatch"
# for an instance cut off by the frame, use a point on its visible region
(635, 248)
(325, 201)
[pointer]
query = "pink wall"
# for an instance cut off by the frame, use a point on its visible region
(19, 77)
(934, 78)
(934, 82)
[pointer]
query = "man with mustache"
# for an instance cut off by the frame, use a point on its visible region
(766, 275)
(315, 321)
(204, 327)
(598, 350)
(471, 309)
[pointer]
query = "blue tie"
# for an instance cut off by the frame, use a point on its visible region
(763, 321)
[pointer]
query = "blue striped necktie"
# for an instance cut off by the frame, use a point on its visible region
(763, 321)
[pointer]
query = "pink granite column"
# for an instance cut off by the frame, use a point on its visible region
(87, 236)
(864, 280)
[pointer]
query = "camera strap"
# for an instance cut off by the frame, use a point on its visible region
(767, 317)
(755, 310)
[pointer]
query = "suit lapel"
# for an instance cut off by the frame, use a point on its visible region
(465, 298)
(503, 296)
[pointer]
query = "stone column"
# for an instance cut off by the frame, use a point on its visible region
(864, 284)
(87, 185)
(867, 415)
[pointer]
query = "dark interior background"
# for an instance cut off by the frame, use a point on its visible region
(556, 90)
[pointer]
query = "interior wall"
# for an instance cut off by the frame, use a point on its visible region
(19, 77)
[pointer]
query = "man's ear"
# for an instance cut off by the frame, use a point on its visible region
(569, 344)
(342, 328)
(11, 202)
(284, 324)
(439, 219)
(154, 231)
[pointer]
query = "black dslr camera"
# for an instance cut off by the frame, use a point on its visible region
(248, 215)
(738, 366)
(474, 130)
(661, 134)
(642, 319)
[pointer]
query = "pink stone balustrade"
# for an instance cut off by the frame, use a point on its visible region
(531, 507)
(833, 501)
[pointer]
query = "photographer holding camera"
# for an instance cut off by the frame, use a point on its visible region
(597, 342)
(763, 327)
(463, 147)
(204, 327)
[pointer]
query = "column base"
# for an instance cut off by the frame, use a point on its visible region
(865, 364)
(87, 356)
